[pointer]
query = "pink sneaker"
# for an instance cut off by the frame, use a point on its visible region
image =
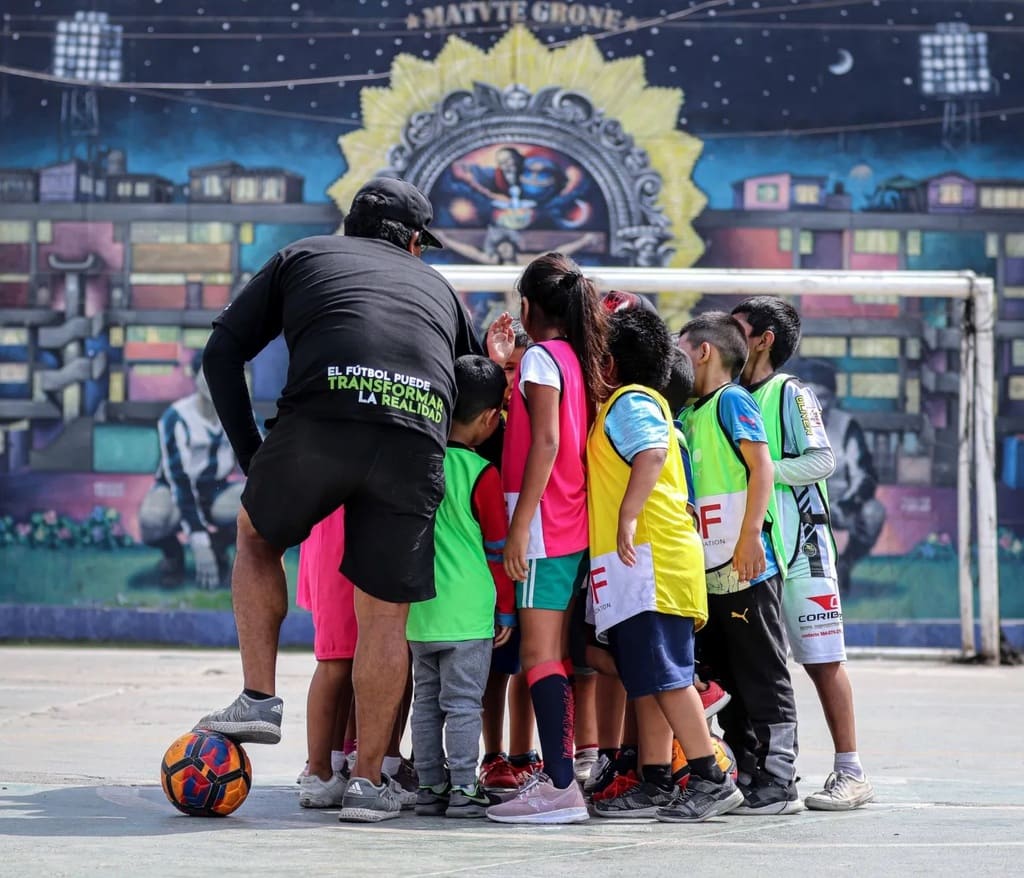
(714, 698)
(540, 801)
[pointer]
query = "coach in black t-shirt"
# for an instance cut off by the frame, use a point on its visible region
(372, 335)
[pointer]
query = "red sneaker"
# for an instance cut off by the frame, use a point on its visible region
(622, 784)
(498, 774)
(714, 698)
(524, 772)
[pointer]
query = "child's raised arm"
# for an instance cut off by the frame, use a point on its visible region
(748, 558)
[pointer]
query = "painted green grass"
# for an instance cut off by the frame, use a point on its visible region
(915, 588)
(883, 588)
(93, 577)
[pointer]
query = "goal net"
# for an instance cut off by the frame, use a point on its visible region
(910, 360)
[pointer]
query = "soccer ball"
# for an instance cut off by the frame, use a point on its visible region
(725, 758)
(205, 774)
(722, 752)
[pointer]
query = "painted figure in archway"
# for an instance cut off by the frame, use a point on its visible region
(517, 186)
(191, 494)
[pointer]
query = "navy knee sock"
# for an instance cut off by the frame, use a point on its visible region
(553, 704)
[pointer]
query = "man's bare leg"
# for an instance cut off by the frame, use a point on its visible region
(379, 674)
(259, 596)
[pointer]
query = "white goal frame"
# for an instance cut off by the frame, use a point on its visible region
(976, 479)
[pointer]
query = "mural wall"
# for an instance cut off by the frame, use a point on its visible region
(154, 154)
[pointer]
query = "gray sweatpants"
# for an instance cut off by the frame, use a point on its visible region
(448, 681)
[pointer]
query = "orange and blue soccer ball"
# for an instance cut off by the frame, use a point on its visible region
(205, 774)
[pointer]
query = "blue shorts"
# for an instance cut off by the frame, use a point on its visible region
(653, 652)
(505, 659)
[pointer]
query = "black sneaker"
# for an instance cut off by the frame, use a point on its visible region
(642, 800)
(432, 801)
(470, 802)
(701, 800)
(767, 795)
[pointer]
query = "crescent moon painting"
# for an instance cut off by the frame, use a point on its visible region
(844, 65)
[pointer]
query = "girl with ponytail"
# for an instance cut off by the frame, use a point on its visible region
(554, 395)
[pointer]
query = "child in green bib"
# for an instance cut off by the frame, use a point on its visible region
(743, 642)
(811, 606)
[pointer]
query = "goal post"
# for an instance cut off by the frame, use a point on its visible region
(976, 477)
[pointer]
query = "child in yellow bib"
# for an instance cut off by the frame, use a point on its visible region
(647, 590)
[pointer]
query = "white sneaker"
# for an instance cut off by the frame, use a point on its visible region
(315, 793)
(600, 766)
(584, 763)
(303, 773)
(842, 792)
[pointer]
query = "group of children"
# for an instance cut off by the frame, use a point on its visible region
(615, 503)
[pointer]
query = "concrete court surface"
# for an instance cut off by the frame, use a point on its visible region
(82, 731)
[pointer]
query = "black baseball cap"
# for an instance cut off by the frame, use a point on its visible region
(403, 203)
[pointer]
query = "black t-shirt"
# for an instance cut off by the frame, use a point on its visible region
(372, 332)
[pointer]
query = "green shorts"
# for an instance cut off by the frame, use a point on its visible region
(552, 582)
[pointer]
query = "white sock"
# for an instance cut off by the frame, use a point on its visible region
(337, 760)
(849, 763)
(391, 765)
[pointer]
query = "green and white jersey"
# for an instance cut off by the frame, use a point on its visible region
(794, 424)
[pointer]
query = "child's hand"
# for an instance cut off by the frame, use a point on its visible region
(502, 634)
(624, 540)
(501, 340)
(515, 554)
(748, 559)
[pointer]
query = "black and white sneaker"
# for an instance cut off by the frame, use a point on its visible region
(642, 800)
(768, 795)
(701, 800)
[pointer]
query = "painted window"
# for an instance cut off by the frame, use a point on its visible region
(914, 242)
(245, 189)
(211, 233)
(213, 185)
(142, 189)
(822, 346)
(159, 233)
(913, 390)
(124, 189)
(807, 193)
(875, 346)
(15, 231)
(806, 241)
(273, 189)
(876, 241)
(951, 193)
(85, 183)
(767, 193)
(874, 385)
(1014, 246)
(1002, 197)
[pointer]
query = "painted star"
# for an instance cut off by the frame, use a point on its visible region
(412, 21)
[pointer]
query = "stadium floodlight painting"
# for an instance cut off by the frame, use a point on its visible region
(153, 155)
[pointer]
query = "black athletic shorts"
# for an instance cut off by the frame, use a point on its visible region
(389, 479)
